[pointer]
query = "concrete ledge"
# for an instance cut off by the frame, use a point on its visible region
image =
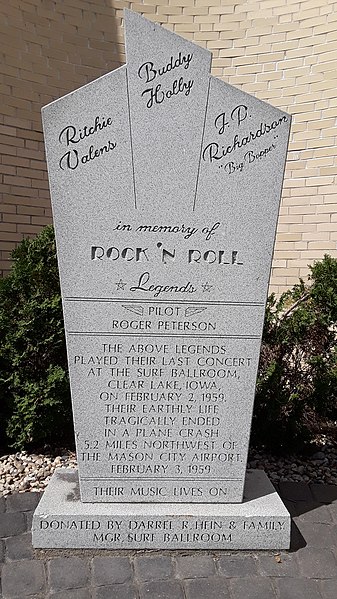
(61, 520)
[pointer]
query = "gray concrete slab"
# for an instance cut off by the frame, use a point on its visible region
(61, 520)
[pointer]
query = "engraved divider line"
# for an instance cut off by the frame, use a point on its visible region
(124, 334)
(182, 303)
(131, 144)
(202, 143)
(125, 477)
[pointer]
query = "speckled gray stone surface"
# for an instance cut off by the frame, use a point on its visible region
(88, 149)
(168, 79)
(164, 253)
(241, 173)
(62, 520)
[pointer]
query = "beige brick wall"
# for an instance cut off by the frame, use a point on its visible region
(282, 51)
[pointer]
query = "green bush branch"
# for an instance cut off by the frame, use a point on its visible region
(35, 401)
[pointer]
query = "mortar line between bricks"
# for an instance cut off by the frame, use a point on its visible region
(174, 564)
(272, 581)
(89, 584)
(90, 568)
(230, 594)
(216, 564)
(47, 572)
(133, 571)
(182, 584)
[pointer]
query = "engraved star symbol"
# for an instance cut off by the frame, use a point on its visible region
(206, 287)
(120, 285)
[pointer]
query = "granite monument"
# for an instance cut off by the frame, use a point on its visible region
(165, 186)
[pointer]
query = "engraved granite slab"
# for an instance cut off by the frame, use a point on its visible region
(168, 80)
(62, 520)
(165, 217)
(88, 148)
(242, 162)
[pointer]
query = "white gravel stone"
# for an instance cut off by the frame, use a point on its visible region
(21, 472)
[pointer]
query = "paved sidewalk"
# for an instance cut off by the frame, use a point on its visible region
(308, 571)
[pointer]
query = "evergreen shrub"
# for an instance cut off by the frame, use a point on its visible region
(35, 405)
(297, 381)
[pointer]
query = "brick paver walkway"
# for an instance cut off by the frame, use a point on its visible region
(307, 571)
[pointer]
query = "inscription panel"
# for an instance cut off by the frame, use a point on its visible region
(88, 150)
(168, 85)
(170, 533)
(159, 416)
(241, 167)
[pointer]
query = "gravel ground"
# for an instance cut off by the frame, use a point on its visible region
(21, 472)
(320, 467)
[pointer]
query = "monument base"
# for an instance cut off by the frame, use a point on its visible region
(61, 520)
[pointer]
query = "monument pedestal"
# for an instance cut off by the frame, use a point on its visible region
(61, 520)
